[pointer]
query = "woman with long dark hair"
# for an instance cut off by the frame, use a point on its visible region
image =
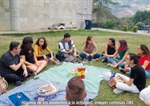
(27, 53)
(89, 50)
(123, 52)
(144, 60)
(39, 47)
(109, 50)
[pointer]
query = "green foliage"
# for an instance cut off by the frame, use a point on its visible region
(134, 29)
(110, 24)
(125, 27)
(142, 16)
(101, 10)
(139, 24)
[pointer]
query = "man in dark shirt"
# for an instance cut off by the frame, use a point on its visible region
(137, 80)
(12, 68)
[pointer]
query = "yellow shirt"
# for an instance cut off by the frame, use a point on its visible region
(39, 51)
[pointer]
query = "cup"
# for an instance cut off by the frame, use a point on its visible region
(79, 72)
(82, 72)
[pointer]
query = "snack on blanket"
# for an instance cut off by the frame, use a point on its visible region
(47, 90)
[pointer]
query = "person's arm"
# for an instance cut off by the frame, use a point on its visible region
(105, 50)
(73, 48)
(62, 49)
(123, 59)
(115, 54)
(35, 59)
(25, 72)
(15, 67)
(36, 51)
(130, 82)
(95, 49)
(49, 51)
(83, 50)
(146, 63)
(25, 62)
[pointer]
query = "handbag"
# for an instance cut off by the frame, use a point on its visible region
(114, 80)
(60, 56)
(3, 85)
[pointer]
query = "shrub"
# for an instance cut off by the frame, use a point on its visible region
(135, 28)
(125, 27)
(139, 24)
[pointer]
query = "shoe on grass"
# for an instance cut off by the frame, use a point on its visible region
(117, 91)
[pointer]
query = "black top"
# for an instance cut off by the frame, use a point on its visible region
(7, 60)
(138, 74)
(110, 50)
(28, 56)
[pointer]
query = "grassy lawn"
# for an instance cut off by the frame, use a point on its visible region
(101, 38)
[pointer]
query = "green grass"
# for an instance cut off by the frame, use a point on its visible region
(101, 38)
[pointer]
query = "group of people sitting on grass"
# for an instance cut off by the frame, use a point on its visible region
(23, 60)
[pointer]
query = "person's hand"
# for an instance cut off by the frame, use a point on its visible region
(74, 55)
(45, 58)
(25, 73)
(115, 66)
(51, 59)
(127, 69)
(92, 55)
(22, 61)
(87, 54)
(105, 54)
(37, 64)
(70, 51)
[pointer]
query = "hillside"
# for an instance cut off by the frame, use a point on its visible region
(129, 7)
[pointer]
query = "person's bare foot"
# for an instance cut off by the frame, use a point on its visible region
(95, 60)
(56, 62)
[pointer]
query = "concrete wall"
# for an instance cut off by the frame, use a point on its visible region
(20, 15)
(4, 15)
(84, 12)
(35, 14)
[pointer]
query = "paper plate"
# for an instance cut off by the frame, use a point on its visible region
(74, 71)
(47, 90)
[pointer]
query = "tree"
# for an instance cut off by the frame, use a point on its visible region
(101, 9)
(142, 16)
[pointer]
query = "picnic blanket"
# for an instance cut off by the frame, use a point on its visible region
(93, 75)
(29, 89)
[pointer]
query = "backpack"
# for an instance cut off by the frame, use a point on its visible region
(3, 85)
(60, 56)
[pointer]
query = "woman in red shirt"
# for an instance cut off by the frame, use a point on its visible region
(144, 59)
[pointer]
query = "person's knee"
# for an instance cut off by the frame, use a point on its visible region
(82, 55)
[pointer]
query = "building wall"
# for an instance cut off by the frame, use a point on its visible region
(22, 15)
(35, 14)
(4, 15)
(84, 12)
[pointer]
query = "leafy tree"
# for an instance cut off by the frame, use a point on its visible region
(101, 9)
(142, 16)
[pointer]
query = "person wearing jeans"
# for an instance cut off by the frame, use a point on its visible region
(137, 80)
(89, 50)
(144, 59)
(123, 53)
(109, 50)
